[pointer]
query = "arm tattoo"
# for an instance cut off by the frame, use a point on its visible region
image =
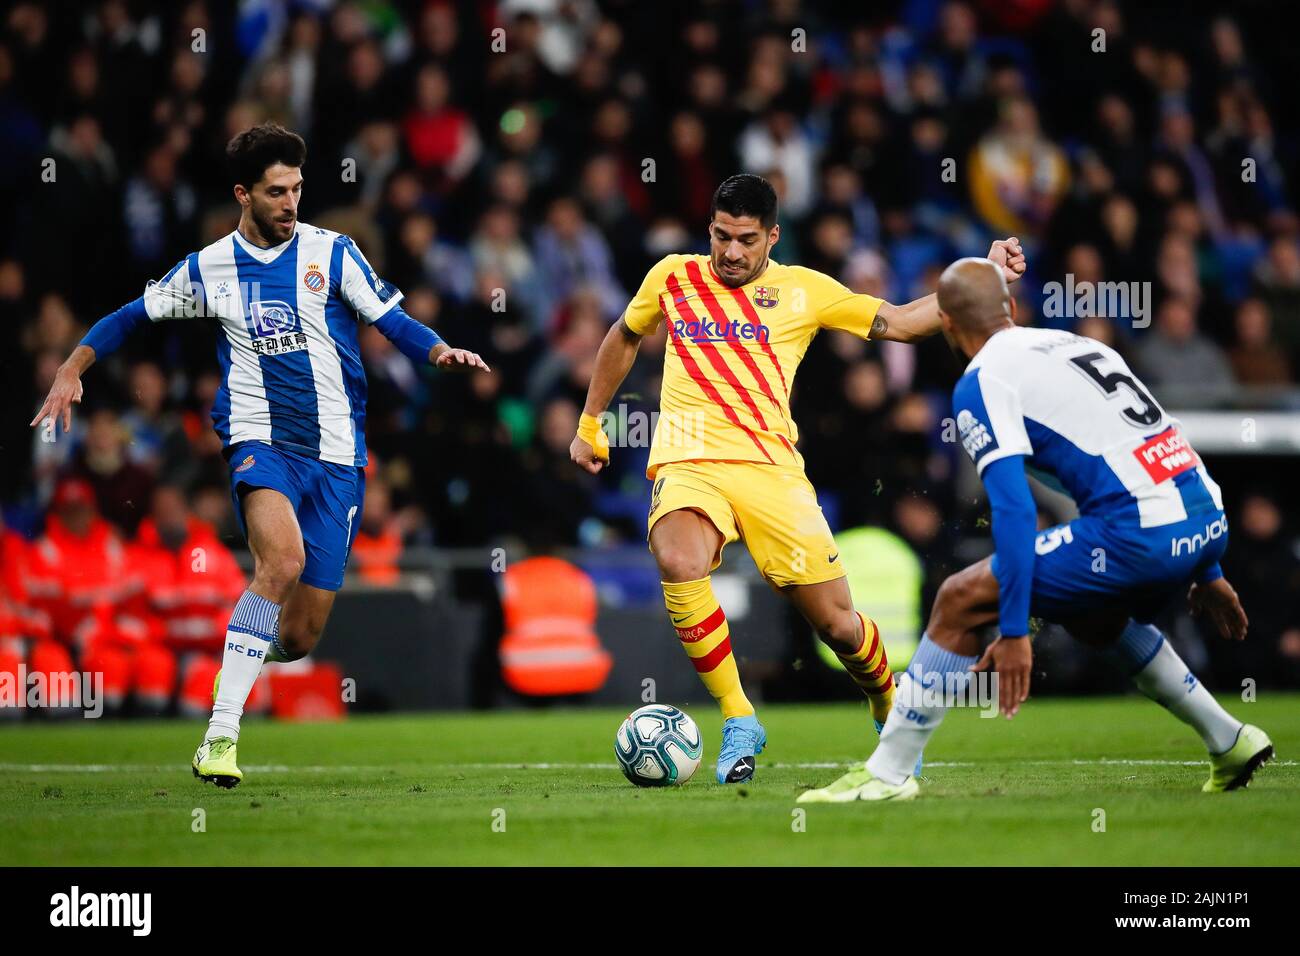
(878, 328)
(627, 331)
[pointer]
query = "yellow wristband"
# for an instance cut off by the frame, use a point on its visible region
(589, 430)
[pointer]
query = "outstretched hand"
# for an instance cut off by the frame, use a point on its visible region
(459, 360)
(65, 391)
(1007, 254)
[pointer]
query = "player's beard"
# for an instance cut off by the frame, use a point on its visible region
(744, 280)
(270, 228)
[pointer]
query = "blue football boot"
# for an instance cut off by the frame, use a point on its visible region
(742, 738)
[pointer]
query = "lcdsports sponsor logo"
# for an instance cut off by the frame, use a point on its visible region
(711, 330)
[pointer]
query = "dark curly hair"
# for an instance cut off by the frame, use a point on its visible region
(251, 152)
(746, 195)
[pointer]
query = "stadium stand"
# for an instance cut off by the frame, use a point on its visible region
(518, 194)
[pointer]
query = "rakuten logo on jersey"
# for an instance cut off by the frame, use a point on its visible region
(1166, 455)
(975, 436)
(711, 330)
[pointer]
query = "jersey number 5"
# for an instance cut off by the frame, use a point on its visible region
(1142, 416)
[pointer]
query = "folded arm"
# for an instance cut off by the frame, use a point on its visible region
(919, 318)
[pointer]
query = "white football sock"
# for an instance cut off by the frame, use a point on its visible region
(1164, 678)
(254, 627)
(918, 709)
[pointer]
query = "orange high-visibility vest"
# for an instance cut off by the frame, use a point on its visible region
(376, 557)
(550, 646)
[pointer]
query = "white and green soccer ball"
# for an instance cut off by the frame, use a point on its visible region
(658, 746)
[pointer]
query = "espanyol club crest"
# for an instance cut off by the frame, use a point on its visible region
(314, 279)
(765, 296)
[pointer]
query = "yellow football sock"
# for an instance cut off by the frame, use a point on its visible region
(869, 669)
(702, 629)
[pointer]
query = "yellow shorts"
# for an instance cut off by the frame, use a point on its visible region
(773, 508)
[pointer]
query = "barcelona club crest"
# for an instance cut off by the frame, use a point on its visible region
(765, 296)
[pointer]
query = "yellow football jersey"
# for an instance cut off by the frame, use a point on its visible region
(732, 355)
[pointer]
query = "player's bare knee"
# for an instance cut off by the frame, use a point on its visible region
(840, 631)
(677, 564)
(279, 571)
(960, 589)
(961, 593)
(947, 597)
(949, 611)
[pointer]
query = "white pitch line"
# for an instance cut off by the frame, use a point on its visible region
(354, 768)
(1104, 761)
(166, 768)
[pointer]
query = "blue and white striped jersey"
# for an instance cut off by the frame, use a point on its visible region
(291, 370)
(1072, 406)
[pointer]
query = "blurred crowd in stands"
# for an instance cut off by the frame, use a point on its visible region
(516, 166)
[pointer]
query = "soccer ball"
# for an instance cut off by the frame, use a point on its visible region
(658, 746)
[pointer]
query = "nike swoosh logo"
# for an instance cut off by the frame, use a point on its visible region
(831, 559)
(683, 298)
(680, 620)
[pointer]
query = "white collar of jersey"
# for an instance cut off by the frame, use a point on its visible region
(265, 255)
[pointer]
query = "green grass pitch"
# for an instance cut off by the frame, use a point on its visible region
(427, 789)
